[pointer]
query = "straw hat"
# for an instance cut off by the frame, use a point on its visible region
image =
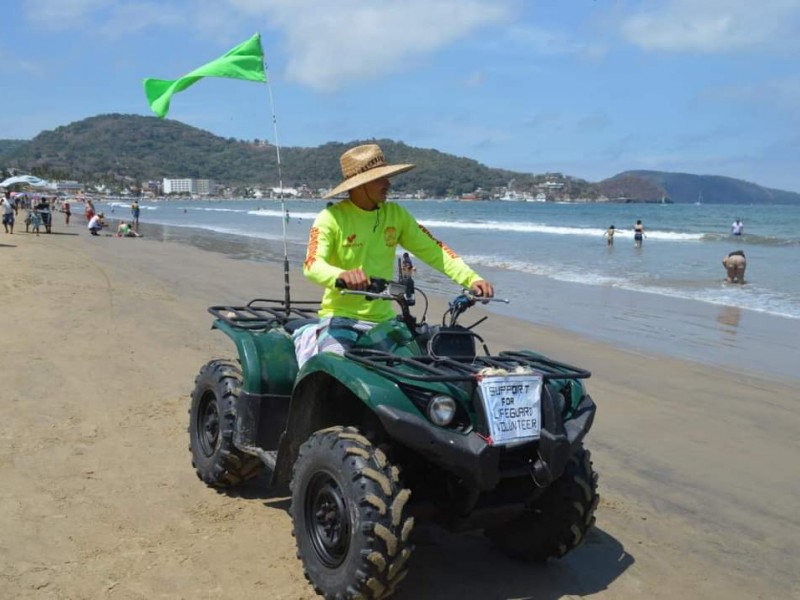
(363, 164)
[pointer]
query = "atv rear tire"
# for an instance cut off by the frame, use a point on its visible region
(349, 518)
(212, 418)
(558, 521)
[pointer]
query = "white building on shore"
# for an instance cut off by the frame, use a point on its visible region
(198, 187)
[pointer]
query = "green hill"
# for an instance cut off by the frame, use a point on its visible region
(712, 189)
(124, 150)
(137, 148)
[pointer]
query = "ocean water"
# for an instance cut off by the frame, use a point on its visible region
(552, 262)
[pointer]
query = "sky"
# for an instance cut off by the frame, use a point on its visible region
(588, 88)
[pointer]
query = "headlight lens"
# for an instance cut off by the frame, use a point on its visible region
(441, 410)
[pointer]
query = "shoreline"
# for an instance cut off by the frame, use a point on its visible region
(717, 335)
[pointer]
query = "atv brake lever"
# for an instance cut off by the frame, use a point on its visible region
(475, 298)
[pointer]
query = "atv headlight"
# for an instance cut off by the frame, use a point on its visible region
(441, 410)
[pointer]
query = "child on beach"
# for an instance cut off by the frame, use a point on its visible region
(36, 221)
(610, 235)
(125, 230)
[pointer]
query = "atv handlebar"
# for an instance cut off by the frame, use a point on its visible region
(402, 292)
(464, 301)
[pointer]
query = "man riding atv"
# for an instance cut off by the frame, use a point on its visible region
(398, 419)
(357, 238)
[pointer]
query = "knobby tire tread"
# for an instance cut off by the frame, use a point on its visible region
(376, 567)
(228, 467)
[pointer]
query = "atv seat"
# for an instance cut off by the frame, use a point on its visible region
(295, 324)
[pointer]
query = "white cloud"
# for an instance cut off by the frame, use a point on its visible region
(551, 42)
(474, 79)
(341, 41)
(774, 94)
(63, 14)
(715, 26)
(14, 66)
(329, 44)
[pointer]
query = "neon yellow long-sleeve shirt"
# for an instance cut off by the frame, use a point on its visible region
(345, 237)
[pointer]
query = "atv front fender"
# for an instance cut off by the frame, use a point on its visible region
(332, 390)
(368, 386)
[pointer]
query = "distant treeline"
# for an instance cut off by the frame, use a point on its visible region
(124, 150)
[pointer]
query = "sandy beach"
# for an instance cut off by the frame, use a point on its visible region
(102, 338)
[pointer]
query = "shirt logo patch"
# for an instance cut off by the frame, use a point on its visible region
(350, 241)
(390, 236)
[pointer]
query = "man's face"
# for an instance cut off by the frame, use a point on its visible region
(376, 190)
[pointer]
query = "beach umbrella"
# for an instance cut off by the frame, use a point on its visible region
(27, 180)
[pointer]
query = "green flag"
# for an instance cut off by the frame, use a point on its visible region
(245, 61)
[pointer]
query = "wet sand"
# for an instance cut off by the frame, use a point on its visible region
(102, 338)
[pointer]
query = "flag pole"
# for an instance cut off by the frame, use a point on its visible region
(287, 294)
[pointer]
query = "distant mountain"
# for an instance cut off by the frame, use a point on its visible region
(687, 188)
(124, 150)
(8, 147)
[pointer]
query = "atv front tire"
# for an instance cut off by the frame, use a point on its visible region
(212, 418)
(559, 519)
(348, 515)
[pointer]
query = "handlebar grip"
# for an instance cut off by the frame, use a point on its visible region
(376, 284)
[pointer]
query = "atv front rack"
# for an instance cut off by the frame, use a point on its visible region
(264, 313)
(448, 369)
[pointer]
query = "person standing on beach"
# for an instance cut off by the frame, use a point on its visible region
(67, 212)
(737, 227)
(735, 264)
(135, 215)
(638, 234)
(357, 238)
(609, 234)
(407, 268)
(89, 210)
(8, 213)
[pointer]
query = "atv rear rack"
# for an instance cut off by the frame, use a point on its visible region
(264, 313)
(447, 369)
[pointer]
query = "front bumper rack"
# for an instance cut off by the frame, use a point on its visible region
(472, 457)
(428, 368)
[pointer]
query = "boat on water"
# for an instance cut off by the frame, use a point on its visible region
(540, 197)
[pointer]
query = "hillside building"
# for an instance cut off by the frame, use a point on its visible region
(195, 187)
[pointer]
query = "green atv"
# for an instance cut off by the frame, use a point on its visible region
(484, 441)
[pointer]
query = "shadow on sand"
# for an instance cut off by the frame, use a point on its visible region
(455, 566)
(458, 566)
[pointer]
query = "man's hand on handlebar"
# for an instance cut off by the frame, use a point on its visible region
(355, 279)
(482, 288)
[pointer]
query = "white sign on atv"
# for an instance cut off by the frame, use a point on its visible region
(513, 407)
